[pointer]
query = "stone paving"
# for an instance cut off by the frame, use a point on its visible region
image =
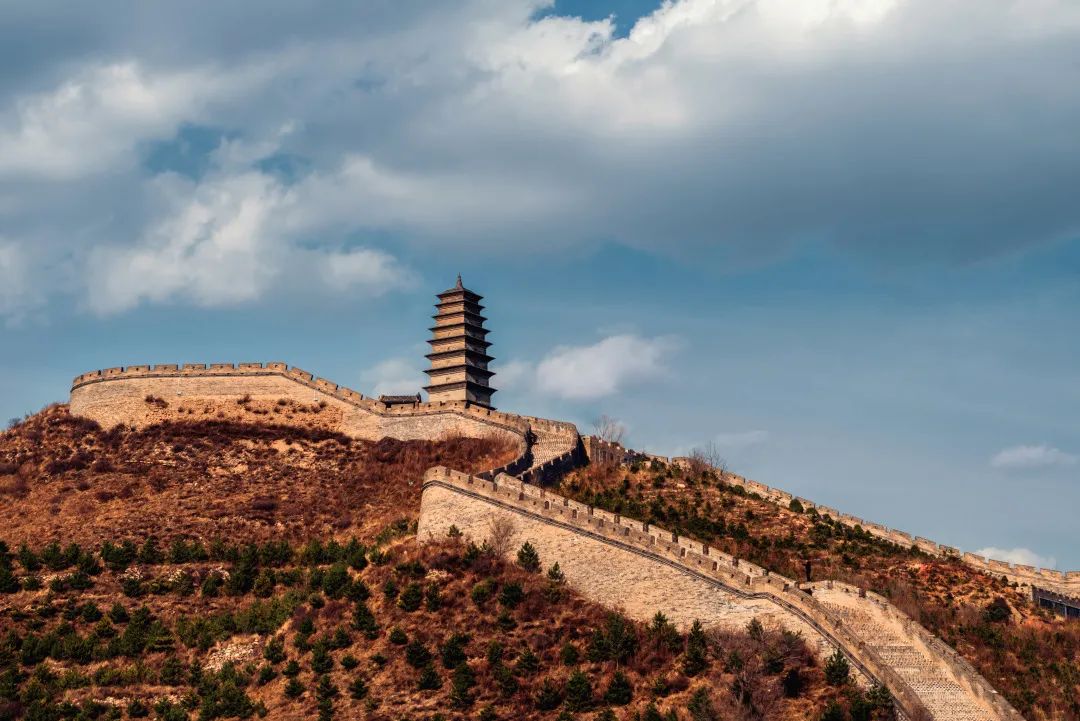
(927, 675)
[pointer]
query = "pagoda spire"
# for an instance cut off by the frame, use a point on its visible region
(459, 349)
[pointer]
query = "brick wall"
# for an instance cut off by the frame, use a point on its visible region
(641, 569)
(119, 395)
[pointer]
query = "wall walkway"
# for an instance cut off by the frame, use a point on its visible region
(1066, 583)
(623, 563)
(118, 395)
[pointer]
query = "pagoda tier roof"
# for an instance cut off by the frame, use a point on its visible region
(477, 339)
(444, 348)
(462, 313)
(457, 385)
(465, 293)
(469, 353)
(475, 328)
(481, 372)
(468, 303)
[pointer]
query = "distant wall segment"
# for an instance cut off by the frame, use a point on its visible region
(1067, 582)
(1063, 582)
(143, 395)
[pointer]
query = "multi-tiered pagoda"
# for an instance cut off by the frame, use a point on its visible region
(459, 357)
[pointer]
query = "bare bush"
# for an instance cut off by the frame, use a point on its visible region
(755, 686)
(501, 532)
(704, 459)
(609, 429)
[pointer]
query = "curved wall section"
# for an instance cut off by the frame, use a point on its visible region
(274, 392)
(626, 564)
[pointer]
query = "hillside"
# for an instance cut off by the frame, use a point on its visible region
(1030, 656)
(215, 569)
(63, 477)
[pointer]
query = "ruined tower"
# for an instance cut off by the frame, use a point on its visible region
(459, 357)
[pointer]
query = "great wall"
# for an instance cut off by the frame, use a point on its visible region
(617, 561)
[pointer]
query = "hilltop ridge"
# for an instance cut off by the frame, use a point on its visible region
(220, 569)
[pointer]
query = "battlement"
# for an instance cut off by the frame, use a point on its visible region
(600, 552)
(1067, 582)
(219, 370)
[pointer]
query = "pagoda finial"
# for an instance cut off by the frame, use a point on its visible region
(458, 286)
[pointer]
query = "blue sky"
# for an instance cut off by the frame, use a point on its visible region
(837, 240)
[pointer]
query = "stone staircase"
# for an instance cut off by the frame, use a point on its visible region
(947, 692)
(549, 446)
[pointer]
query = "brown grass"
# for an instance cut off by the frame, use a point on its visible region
(74, 481)
(1033, 658)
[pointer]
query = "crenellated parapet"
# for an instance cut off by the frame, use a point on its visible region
(223, 390)
(600, 551)
(1066, 582)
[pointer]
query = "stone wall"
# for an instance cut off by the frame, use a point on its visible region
(223, 390)
(609, 453)
(639, 568)
(942, 674)
(1065, 582)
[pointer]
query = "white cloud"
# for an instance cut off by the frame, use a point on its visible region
(602, 369)
(515, 375)
(228, 240)
(1031, 457)
(215, 247)
(372, 271)
(395, 376)
(95, 120)
(685, 136)
(741, 439)
(1022, 556)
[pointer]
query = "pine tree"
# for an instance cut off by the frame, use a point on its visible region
(528, 558)
(697, 651)
(837, 669)
(321, 661)
(411, 597)
(358, 689)
(453, 651)
(619, 692)
(294, 689)
(149, 553)
(461, 686)
(325, 693)
(417, 655)
(549, 696)
(579, 692)
(429, 679)
(364, 620)
(834, 712)
(701, 707)
(664, 634)
(275, 650)
(8, 582)
(651, 713)
(527, 662)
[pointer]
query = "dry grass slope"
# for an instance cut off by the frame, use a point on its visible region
(215, 569)
(1030, 656)
(63, 477)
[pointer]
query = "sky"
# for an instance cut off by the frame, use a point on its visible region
(837, 240)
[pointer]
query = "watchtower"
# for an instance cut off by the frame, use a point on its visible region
(459, 357)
